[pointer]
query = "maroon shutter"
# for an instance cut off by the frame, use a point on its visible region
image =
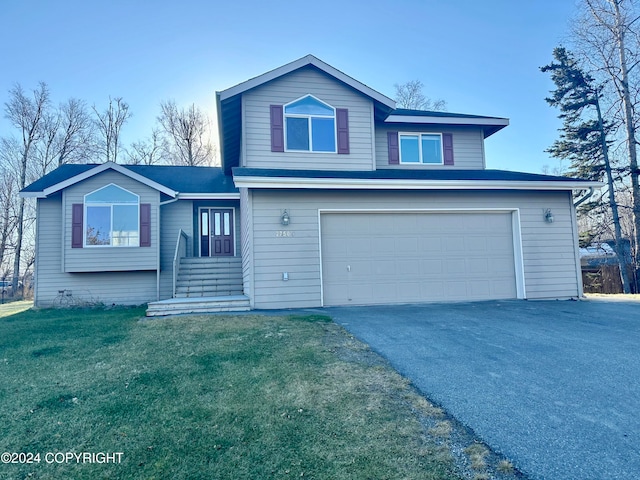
(342, 118)
(447, 148)
(145, 224)
(394, 150)
(77, 211)
(277, 129)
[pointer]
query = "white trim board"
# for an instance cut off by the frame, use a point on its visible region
(405, 184)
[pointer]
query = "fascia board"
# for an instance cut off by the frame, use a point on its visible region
(209, 196)
(395, 184)
(101, 168)
(302, 62)
(503, 122)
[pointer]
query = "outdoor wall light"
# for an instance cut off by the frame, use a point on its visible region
(284, 219)
(548, 216)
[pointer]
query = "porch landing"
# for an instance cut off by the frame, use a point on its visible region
(177, 306)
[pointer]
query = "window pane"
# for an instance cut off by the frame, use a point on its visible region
(431, 149)
(216, 224)
(409, 149)
(125, 226)
(227, 227)
(98, 226)
(309, 106)
(205, 223)
(111, 194)
(297, 134)
(323, 134)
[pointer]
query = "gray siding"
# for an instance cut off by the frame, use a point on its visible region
(128, 288)
(468, 146)
(103, 259)
(256, 127)
(173, 217)
(549, 250)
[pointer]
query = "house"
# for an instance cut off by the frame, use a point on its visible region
(327, 195)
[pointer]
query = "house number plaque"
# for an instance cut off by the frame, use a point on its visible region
(284, 233)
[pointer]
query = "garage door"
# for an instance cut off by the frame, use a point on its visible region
(377, 258)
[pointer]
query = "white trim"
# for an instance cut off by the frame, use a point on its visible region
(405, 184)
(419, 135)
(445, 120)
(297, 64)
(518, 256)
(99, 169)
(209, 196)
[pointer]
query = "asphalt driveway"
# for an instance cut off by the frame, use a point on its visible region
(553, 386)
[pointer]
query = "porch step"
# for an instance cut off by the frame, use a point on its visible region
(179, 306)
(209, 277)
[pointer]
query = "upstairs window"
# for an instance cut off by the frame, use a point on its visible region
(112, 218)
(421, 148)
(310, 125)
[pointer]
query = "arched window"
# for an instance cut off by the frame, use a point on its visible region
(310, 125)
(112, 218)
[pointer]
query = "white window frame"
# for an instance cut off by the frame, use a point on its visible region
(419, 135)
(110, 205)
(309, 117)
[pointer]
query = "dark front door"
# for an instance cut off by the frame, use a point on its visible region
(216, 232)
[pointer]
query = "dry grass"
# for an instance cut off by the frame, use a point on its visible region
(208, 397)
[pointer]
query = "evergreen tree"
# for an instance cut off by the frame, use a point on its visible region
(583, 140)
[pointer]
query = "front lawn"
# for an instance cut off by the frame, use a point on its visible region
(208, 397)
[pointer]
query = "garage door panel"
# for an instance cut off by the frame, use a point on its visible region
(412, 257)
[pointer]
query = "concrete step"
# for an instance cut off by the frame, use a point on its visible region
(216, 291)
(177, 306)
(210, 260)
(204, 277)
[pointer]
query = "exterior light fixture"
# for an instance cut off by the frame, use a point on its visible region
(548, 216)
(284, 219)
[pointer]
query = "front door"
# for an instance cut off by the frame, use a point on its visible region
(216, 232)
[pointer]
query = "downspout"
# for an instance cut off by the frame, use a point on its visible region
(177, 197)
(584, 198)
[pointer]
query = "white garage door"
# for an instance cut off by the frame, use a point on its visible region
(377, 258)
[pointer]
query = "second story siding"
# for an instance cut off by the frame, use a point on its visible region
(468, 145)
(256, 136)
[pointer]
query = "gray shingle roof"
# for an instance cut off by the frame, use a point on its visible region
(178, 178)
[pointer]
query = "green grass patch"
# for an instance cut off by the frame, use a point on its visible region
(207, 397)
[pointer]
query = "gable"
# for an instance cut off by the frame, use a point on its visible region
(307, 93)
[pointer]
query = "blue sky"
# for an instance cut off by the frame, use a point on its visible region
(481, 57)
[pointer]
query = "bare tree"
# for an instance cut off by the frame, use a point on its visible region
(67, 137)
(607, 36)
(26, 113)
(148, 152)
(109, 123)
(187, 132)
(8, 202)
(409, 95)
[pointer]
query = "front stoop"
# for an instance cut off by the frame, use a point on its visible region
(178, 306)
(209, 277)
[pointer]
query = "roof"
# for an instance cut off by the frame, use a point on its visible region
(169, 179)
(229, 106)
(490, 125)
(406, 179)
(303, 62)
